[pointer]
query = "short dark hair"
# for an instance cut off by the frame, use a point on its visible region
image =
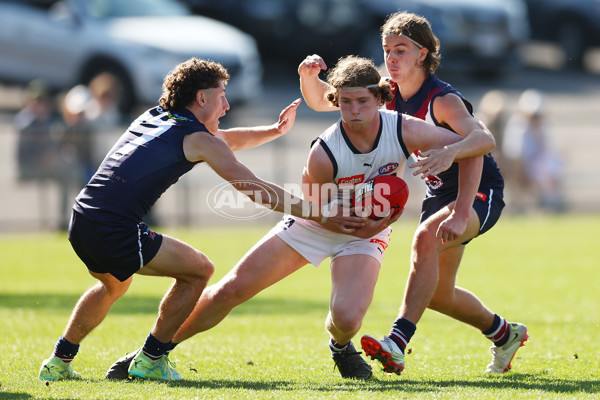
(418, 29)
(183, 82)
(354, 71)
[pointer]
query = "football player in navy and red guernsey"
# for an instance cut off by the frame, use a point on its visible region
(107, 230)
(366, 142)
(450, 217)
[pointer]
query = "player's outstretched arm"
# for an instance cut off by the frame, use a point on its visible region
(203, 146)
(314, 89)
(247, 138)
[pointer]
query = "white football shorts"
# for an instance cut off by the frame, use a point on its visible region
(315, 243)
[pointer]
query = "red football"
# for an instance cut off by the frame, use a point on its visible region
(376, 196)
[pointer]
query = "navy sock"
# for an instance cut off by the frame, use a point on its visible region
(65, 350)
(498, 332)
(402, 331)
(155, 349)
(171, 347)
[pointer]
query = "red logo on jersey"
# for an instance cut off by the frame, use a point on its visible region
(351, 180)
(380, 242)
(481, 196)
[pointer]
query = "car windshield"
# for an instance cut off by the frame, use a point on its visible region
(134, 8)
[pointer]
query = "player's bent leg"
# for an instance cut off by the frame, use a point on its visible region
(90, 310)
(353, 282)
(191, 270)
(423, 276)
(420, 287)
(456, 302)
(94, 305)
(269, 261)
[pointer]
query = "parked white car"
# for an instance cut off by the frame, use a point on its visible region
(69, 42)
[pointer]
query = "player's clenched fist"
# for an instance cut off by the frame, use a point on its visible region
(311, 66)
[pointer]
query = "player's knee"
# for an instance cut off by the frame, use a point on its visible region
(436, 304)
(114, 288)
(206, 268)
(346, 320)
(441, 301)
(425, 239)
(198, 270)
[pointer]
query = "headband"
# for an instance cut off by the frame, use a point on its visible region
(419, 45)
(373, 86)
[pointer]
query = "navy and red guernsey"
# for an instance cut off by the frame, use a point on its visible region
(141, 166)
(421, 106)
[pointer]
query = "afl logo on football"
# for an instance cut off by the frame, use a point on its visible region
(387, 168)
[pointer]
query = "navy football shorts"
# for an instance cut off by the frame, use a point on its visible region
(118, 250)
(488, 205)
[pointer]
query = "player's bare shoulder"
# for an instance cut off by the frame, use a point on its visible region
(411, 125)
(319, 167)
(197, 145)
(449, 107)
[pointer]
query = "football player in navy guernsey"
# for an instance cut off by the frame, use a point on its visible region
(366, 142)
(109, 236)
(411, 52)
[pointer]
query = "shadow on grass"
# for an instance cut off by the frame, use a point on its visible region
(524, 382)
(517, 381)
(58, 302)
(14, 396)
(149, 304)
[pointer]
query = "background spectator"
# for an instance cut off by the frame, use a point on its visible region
(104, 114)
(532, 167)
(37, 126)
(493, 112)
(77, 164)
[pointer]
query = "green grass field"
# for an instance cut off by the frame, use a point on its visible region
(539, 271)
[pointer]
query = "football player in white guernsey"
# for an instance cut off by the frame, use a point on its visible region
(411, 53)
(364, 143)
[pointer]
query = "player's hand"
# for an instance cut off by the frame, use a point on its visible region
(432, 162)
(287, 118)
(337, 217)
(311, 66)
(451, 228)
(373, 227)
